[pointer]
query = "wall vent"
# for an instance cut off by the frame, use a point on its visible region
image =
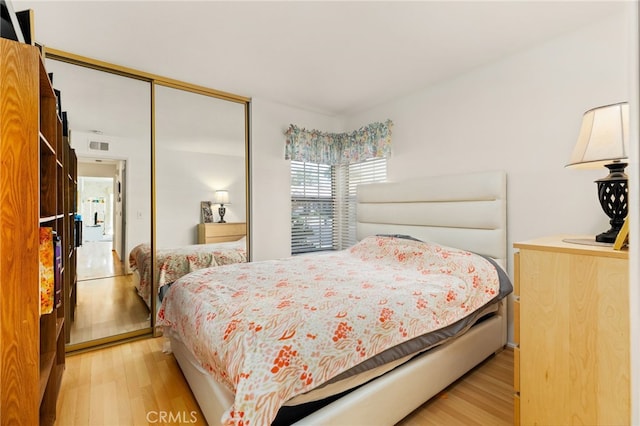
(98, 146)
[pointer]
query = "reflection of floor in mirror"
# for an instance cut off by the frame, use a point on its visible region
(107, 306)
(108, 303)
(96, 259)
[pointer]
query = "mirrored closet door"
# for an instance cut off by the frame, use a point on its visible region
(201, 178)
(108, 120)
(152, 152)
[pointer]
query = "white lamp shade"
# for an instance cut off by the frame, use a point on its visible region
(221, 197)
(603, 138)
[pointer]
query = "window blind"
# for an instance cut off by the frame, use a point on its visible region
(312, 207)
(323, 203)
(350, 176)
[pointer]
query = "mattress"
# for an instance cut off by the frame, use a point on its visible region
(360, 374)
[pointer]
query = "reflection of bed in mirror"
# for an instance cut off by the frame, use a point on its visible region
(173, 263)
(283, 361)
(200, 148)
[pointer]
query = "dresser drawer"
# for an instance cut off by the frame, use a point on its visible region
(220, 232)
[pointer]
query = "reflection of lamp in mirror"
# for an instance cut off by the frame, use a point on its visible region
(604, 141)
(222, 198)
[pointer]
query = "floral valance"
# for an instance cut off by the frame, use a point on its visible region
(314, 146)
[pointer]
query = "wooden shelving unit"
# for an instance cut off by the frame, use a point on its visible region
(37, 188)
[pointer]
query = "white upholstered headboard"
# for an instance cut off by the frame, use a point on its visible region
(467, 211)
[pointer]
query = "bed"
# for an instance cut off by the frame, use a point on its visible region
(173, 263)
(402, 228)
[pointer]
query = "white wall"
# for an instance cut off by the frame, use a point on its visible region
(183, 180)
(634, 213)
(270, 174)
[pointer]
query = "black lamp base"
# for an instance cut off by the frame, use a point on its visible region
(613, 194)
(608, 236)
(221, 212)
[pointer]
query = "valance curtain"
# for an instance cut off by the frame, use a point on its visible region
(314, 146)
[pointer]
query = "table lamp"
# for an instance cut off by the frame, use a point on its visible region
(604, 141)
(222, 198)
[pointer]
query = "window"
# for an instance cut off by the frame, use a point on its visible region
(312, 207)
(323, 203)
(350, 176)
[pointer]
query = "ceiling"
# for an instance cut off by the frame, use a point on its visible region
(332, 57)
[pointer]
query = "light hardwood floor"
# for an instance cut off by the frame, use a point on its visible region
(127, 384)
(135, 383)
(483, 397)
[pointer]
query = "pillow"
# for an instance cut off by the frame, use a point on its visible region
(404, 237)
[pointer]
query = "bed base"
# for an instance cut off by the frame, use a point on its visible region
(135, 278)
(410, 384)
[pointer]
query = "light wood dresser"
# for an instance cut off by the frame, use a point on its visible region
(571, 328)
(221, 232)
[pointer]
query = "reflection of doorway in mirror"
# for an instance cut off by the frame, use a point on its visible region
(96, 210)
(100, 271)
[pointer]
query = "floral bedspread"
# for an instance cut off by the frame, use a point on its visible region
(274, 329)
(176, 262)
